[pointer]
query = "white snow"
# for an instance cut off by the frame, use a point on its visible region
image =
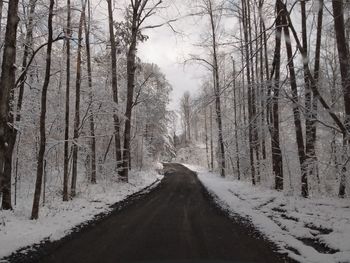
(158, 167)
(193, 153)
(57, 218)
(289, 221)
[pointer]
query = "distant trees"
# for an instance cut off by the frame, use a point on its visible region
(186, 109)
(152, 118)
(213, 11)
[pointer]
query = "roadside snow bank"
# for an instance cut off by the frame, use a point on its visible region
(309, 230)
(57, 218)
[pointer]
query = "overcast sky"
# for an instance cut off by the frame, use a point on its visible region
(165, 48)
(169, 51)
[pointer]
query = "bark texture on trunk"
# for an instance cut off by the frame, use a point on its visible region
(131, 68)
(66, 124)
(310, 118)
(344, 62)
(7, 86)
(277, 160)
(12, 133)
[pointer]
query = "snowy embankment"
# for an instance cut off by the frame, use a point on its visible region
(58, 219)
(309, 230)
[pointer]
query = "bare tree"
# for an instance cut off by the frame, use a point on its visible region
(312, 151)
(310, 119)
(277, 160)
(213, 12)
(91, 118)
(1, 7)
(117, 140)
(15, 116)
(141, 10)
(249, 82)
(77, 104)
(344, 62)
(42, 146)
(7, 85)
(236, 119)
(296, 108)
(343, 127)
(66, 124)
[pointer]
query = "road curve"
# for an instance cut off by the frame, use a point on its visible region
(175, 222)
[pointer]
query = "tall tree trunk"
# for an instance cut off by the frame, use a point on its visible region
(262, 89)
(314, 106)
(235, 121)
(27, 51)
(345, 65)
(117, 140)
(217, 91)
(296, 108)
(1, 7)
(66, 124)
(91, 118)
(188, 119)
(206, 136)
(277, 160)
(344, 62)
(42, 145)
(131, 69)
(211, 139)
(243, 103)
(255, 89)
(12, 133)
(7, 86)
(249, 82)
(310, 120)
(77, 105)
(1, 40)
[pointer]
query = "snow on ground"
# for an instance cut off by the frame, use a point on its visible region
(311, 230)
(193, 153)
(57, 218)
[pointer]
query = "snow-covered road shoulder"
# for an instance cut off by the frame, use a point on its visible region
(58, 219)
(309, 230)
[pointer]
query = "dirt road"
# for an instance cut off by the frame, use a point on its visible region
(177, 221)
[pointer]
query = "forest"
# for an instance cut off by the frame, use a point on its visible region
(274, 106)
(76, 100)
(85, 120)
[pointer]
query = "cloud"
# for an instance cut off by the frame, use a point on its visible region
(169, 50)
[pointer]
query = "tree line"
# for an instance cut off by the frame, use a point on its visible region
(76, 96)
(278, 89)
